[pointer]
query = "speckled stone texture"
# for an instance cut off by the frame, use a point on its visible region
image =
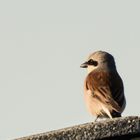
(110, 128)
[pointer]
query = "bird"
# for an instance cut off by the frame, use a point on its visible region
(103, 86)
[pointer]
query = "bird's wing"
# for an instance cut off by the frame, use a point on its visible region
(106, 87)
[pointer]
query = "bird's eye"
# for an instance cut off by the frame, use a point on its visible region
(92, 62)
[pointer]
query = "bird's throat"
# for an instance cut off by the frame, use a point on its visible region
(90, 69)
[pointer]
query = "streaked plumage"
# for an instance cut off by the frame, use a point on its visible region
(103, 87)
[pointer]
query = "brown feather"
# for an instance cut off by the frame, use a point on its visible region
(107, 87)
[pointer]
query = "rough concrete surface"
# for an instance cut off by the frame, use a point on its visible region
(110, 128)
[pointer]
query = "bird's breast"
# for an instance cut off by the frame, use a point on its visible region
(94, 106)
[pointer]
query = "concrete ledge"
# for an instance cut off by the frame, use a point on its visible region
(110, 128)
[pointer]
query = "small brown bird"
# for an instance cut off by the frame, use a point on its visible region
(103, 87)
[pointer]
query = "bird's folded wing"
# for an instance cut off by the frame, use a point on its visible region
(106, 87)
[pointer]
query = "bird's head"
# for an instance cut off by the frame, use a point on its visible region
(101, 60)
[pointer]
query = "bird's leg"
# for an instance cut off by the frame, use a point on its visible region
(96, 118)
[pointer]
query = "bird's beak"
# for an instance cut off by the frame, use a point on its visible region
(84, 65)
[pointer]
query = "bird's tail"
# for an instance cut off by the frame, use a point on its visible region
(115, 114)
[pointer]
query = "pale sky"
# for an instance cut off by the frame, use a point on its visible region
(43, 43)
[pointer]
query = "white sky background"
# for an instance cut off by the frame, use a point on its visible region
(43, 43)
